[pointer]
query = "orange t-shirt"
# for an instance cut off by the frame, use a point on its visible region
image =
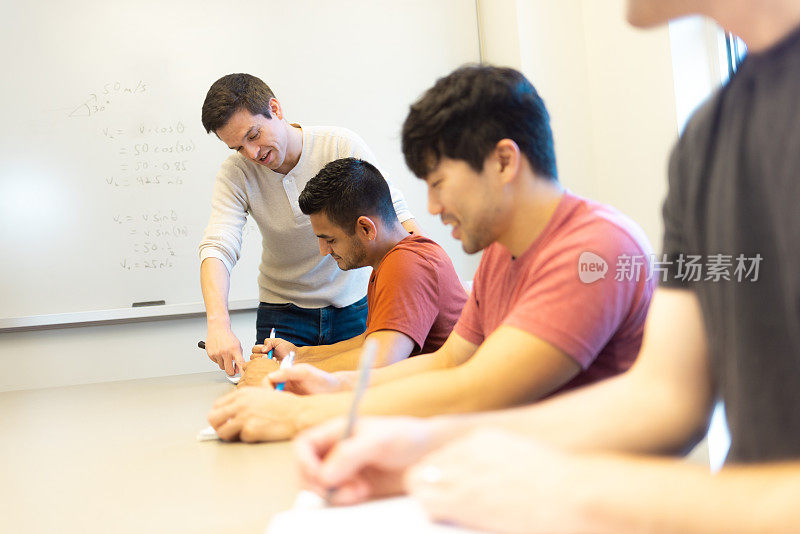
(415, 290)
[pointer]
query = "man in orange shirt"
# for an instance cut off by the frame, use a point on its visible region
(414, 296)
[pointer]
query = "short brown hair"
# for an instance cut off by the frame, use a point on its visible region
(231, 93)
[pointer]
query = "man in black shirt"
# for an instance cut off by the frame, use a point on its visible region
(730, 330)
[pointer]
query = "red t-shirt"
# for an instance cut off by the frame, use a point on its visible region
(555, 291)
(415, 290)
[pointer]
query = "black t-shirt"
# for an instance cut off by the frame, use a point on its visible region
(734, 202)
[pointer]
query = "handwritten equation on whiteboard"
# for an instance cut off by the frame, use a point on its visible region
(156, 155)
(146, 157)
(152, 238)
(106, 97)
(146, 162)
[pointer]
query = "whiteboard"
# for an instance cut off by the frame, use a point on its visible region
(105, 169)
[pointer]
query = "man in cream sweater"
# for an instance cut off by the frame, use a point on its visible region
(304, 296)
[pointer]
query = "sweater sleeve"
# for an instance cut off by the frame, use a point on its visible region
(222, 238)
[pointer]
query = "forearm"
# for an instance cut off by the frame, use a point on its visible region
(341, 361)
(409, 367)
(386, 399)
(214, 283)
(392, 346)
(425, 394)
(648, 495)
(316, 354)
(381, 375)
(610, 416)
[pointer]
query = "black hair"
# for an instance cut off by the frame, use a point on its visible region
(467, 112)
(345, 189)
(231, 93)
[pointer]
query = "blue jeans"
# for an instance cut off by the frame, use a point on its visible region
(311, 326)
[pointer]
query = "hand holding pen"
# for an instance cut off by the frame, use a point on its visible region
(274, 348)
(224, 349)
(285, 364)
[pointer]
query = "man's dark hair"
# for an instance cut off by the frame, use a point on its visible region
(344, 190)
(466, 113)
(231, 93)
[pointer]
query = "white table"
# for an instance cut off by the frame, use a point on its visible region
(123, 457)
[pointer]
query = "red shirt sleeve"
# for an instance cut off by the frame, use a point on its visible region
(580, 318)
(404, 296)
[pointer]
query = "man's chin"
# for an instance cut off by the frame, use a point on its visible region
(471, 247)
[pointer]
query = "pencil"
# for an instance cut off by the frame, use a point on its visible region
(364, 367)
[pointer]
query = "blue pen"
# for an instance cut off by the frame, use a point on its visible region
(271, 336)
(285, 364)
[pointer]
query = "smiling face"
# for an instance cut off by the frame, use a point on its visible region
(258, 138)
(346, 249)
(465, 199)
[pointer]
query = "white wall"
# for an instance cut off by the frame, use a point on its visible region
(82, 355)
(609, 89)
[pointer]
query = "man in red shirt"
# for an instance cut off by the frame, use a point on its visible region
(548, 310)
(414, 296)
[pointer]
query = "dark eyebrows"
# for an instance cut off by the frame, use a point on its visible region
(324, 236)
(246, 135)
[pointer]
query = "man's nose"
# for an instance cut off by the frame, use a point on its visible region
(252, 151)
(434, 207)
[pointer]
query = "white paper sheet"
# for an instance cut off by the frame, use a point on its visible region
(397, 515)
(207, 434)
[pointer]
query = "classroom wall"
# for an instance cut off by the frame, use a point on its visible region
(609, 89)
(88, 354)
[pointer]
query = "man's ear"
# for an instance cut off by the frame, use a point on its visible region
(508, 159)
(275, 108)
(366, 229)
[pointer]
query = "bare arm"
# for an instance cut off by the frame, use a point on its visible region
(307, 380)
(343, 356)
(393, 346)
(455, 351)
(222, 346)
(313, 354)
(669, 496)
(510, 367)
(661, 404)
(556, 491)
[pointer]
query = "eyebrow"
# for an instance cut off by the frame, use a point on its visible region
(246, 135)
(324, 236)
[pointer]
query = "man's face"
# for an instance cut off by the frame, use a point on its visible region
(466, 200)
(646, 13)
(256, 137)
(348, 251)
